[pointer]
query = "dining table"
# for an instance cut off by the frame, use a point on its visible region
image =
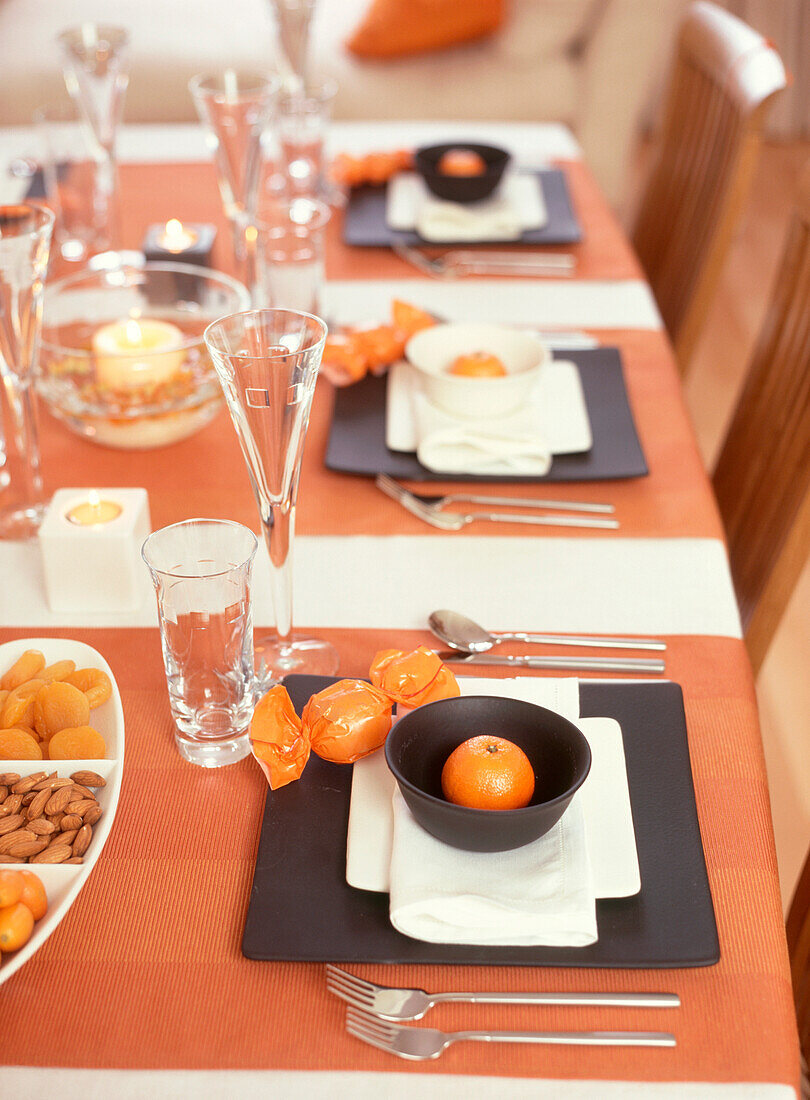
(143, 989)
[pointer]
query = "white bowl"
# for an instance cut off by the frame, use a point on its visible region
(433, 350)
(63, 882)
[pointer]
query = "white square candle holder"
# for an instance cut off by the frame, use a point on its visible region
(90, 542)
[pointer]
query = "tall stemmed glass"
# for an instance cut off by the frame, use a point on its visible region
(25, 240)
(267, 361)
(95, 59)
(235, 107)
(293, 19)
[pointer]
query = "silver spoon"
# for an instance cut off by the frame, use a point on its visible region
(466, 636)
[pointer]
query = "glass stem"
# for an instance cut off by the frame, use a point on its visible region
(278, 532)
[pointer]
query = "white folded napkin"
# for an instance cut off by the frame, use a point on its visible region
(514, 444)
(441, 221)
(539, 894)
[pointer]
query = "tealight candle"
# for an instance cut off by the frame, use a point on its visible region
(94, 512)
(136, 354)
(176, 237)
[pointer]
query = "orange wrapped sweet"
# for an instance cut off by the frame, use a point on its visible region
(349, 356)
(373, 168)
(413, 679)
(277, 738)
(347, 721)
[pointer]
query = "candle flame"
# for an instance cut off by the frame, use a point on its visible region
(133, 330)
(174, 227)
(93, 498)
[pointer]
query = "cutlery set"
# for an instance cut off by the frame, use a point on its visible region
(461, 262)
(374, 1011)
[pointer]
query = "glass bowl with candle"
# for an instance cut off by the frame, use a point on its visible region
(123, 361)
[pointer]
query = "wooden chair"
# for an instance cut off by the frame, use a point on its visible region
(798, 937)
(762, 478)
(723, 80)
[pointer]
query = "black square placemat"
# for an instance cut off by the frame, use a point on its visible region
(365, 225)
(357, 434)
(302, 909)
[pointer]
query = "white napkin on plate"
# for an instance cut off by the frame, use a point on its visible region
(442, 221)
(514, 444)
(539, 894)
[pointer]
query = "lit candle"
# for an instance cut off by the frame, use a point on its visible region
(176, 238)
(94, 512)
(136, 354)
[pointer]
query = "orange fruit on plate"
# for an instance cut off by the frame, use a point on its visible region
(11, 888)
(478, 364)
(16, 926)
(461, 162)
(33, 894)
(488, 773)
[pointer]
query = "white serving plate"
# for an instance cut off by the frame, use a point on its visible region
(63, 883)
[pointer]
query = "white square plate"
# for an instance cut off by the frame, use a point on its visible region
(407, 194)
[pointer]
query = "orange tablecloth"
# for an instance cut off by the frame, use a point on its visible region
(146, 972)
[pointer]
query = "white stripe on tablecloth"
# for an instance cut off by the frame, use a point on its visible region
(593, 303)
(649, 586)
(282, 1085)
(531, 144)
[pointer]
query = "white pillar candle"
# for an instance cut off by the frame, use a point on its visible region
(137, 354)
(94, 511)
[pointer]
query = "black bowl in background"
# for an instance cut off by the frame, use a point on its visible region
(420, 743)
(461, 188)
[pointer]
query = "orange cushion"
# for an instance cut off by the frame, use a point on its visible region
(396, 28)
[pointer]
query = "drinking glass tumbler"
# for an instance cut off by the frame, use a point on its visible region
(267, 361)
(201, 570)
(285, 243)
(25, 240)
(303, 120)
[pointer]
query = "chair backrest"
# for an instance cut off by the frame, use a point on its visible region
(722, 81)
(798, 938)
(762, 479)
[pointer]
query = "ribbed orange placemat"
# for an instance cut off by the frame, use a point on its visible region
(147, 968)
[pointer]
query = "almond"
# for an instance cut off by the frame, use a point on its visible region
(92, 815)
(8, 841)
(46, 782)
(37, 805)
(56, 819)
(8, 779)
(53, 783)
(23, 786)
(3, 793)
(42, 827)
(27, 847)
(54, 854)
(83, 838)
(71, 821)
(10, 823)
(82, 792)
(81, 807)
(11, 805)
(75, 859)
(29, 797)
(59, 800)
(89, 779)
(67, 837)
(13, 859)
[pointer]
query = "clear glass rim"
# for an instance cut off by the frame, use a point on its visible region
(67, 281)
(44, 216)
(216, 327)
(211, 84)
(266, 225)
(198, 521)
(109, 32)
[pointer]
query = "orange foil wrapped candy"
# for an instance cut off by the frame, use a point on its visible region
(277, 738)
(412, 679)
(347, 721)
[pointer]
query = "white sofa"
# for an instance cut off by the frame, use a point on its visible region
(588, 63)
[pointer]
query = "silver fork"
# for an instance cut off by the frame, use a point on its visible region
(392, 1003)
(455, 521)
(458, 263)
(436, 503)
(420, 1043)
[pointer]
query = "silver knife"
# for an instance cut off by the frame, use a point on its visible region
(647, 665)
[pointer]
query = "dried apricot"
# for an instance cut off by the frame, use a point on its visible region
(410, 319)
(78, 743)
(24, 668)
(59, 670)
(33, 894)
(16, 926)
(94, 683)
(11, 887)
(16, 745)
(18, 708)
(59, 706)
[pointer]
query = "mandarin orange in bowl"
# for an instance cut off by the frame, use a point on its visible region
(477, 364)
(461, 171)
(420, 745)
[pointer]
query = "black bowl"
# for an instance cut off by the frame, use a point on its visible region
(419, 744)
(461, 188)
